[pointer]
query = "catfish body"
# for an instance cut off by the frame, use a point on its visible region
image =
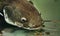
(21, 13)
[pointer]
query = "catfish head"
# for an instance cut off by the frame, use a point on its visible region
(22, 13)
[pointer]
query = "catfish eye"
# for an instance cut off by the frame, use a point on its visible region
(23, 20)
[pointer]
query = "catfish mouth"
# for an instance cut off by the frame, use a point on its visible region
(32, 28)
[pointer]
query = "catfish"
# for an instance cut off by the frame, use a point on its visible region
(22, 14)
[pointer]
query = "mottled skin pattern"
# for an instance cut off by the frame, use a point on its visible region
(22, 8)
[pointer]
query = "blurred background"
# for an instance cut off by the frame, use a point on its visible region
(50, 10)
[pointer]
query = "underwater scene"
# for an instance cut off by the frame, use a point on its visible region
(43, 17)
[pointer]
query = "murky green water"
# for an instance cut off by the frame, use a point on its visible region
(49, 9)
